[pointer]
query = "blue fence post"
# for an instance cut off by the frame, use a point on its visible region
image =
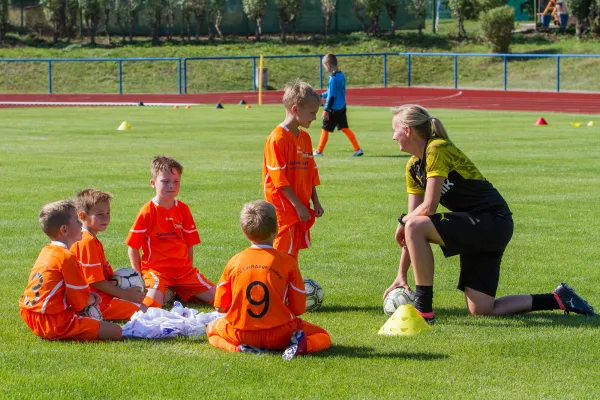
(558, 73)
(385, 70)
(254, 74)
(49, 77)
(321, 72)
(185, 75)
(408, 68)
(505, 75)
(179, 76)
(120, 76)
(455, 71)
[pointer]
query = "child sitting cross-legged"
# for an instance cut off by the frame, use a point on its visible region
(262, 293)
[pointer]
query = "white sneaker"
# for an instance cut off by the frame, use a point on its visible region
(357, 153)
(318, 153)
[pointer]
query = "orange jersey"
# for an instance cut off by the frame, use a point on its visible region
(90, 253)
(256, 285)
(56, 282)
(288, 161)
(164, 236)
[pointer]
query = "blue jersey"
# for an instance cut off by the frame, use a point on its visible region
(336, 92)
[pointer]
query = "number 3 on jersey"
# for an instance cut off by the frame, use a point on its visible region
(262, 301)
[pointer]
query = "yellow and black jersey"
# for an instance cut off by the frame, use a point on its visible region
(465, 189)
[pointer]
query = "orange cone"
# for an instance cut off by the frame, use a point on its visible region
(248, 106)
(187, 107)
(175, 106)
(541, 121)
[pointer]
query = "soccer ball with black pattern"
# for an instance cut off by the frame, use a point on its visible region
(169, 297)
(92, 312)
(125, 278)
(396, 298)
(314, 294)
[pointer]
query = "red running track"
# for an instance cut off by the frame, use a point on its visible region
(584, 103)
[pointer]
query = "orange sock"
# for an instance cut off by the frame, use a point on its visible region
(323, 140)
(150, 302)
(351, 138)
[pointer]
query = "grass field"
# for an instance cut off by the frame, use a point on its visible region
(549, 176)
(236, 75)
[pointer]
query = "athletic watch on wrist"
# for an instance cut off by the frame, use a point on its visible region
(400, 219)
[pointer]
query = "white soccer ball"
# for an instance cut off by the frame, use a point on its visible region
(92, 312)
(396, 298)
(169, 297)
(314, 294)
(126, 278)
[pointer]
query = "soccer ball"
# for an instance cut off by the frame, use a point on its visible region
(127, 277)
(396, 298)
(314, 294)
(169, 296)
(92, 312)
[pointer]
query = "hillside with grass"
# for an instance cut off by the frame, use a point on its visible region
(236, 75)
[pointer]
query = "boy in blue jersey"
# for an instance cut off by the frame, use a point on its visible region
(335, 107)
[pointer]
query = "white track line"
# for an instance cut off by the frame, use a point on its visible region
(60, 103)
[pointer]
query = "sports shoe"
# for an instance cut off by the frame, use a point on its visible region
(318, 154)
(246, 348)
(430, 321)
(298, 346)
(358, 153)
(571, 301)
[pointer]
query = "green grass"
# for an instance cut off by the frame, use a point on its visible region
(236, 75)
(549, 176)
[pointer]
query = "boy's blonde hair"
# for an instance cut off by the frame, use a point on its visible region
(90, 198)
(258, 220)
(330, 59)
(164, 164)
(54, 215)
(299, 93)
(417, 117)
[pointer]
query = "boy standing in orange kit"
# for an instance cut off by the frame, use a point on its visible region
(166, 232)
(290, 175)
(93, 208)
(57, 290)
(262, 292)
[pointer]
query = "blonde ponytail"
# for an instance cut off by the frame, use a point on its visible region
(417, 117)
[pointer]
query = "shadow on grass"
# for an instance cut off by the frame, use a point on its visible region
(335, 308)
(533, 319)
(400, 155)
(368, 352)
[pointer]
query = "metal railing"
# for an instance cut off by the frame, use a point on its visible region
(182, 64)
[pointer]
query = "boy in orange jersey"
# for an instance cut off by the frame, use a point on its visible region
(290, 174)
(93, 208)
(166, 232)
(57, 289)
(262, 292)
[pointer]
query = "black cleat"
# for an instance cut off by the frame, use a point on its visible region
(572, 301)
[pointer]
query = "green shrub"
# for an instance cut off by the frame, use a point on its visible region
(497, 25)
(581, 9)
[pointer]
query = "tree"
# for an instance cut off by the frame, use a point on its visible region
(255, 10)
(391, 6)
(581, 10)
(419, 9)
(3, 18)
(185, 9)
(328, 8)
(288, 11)
(108, 6)
(368, 12)
(71, 18)
(55, 14)
(215, 11)
(199, 9)
(155, 9)
(170, 6)
(497, 25)
(461, 10)
(126, 13)
(92, 13)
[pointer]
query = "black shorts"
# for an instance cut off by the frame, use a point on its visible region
(337, 118)
(480, 238)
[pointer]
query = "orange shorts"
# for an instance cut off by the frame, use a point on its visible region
(65, 325)
(113, 308)
(292, 240)
(186, 285)
(277, 338)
